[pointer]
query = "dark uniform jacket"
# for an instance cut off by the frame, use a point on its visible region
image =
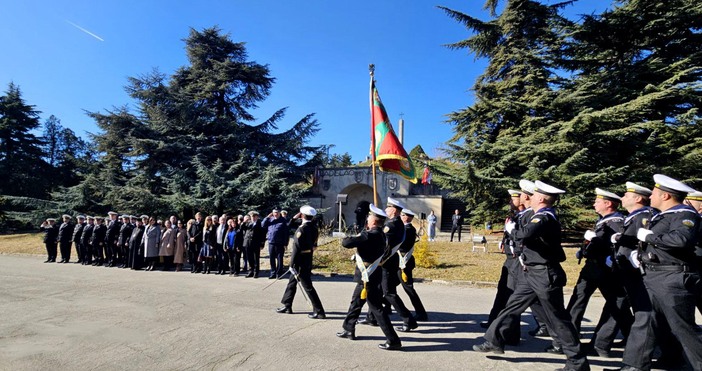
(674, 237)
(410, 239)
(50, 233)
(195, 232)
(65, 235)
(254, 235)
(125, 232)
(540, 238)
(370, 245)
(87, 235)
(98, 237)
(628, 242)
(78, 232)
(600, 247)
(277, 230)
(112, 232)
(511, 247)
(136, 237)
(304, 241)
(457, 220)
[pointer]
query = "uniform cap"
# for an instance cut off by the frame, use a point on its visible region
(377, 212)
(133, 217)
(124, 217)
(395, 203)
(527, 186)
(66, 216)
(635, 188)
(514, 192)
(601, 193)
(283, 211)
(252, 213)
(546, 189)
(694, 196)
(275, 210)
(408, 212)
(112, 213)
(51, 219)
(144, 217)
(90, 217)
(81, 217)
(308, 210)
(99, 217)
(670, 185)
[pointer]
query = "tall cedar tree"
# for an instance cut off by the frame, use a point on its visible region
(192, 145)
(513, 97)
(22, 165)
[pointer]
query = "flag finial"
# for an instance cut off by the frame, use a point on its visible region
(371, 69)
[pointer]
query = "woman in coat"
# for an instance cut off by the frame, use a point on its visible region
(432, 225)
(152, 240)
(167, 249)
(181, 237)
(208, 241)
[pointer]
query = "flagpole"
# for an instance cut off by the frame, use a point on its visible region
(371, 69)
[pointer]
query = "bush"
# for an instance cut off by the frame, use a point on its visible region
(424, 257)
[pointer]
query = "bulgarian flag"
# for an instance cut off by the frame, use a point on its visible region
(386, 149)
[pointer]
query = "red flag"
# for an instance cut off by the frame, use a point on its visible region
(426, 177)
(386, 149)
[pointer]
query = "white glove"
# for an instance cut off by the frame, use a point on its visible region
(509, 227)
(615, 238)
(589, 235)
(634, 259)
(642, 233)
(608, 261)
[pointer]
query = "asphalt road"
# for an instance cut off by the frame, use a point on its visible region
(73, 317)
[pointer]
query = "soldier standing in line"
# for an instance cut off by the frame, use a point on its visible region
(304, 243)
(65, 238)
(50, 230)
(370, 245)
(97, 241)
(86, 251)
(543, 278)
(694, 200)
(77, 233)
(407, 264)
(125, 232)
(111, 236)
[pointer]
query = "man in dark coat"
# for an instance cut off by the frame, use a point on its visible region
(65, 238)
(278, 236)
(125, 232)
(370, 245)
(136, 254)
(86, 250)
(304, 243)
(50, 230)
(97, 241)
(111, 237)
(195, 242)
(77, 233)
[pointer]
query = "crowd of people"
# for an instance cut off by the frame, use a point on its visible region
(646, 265)
(210, 244)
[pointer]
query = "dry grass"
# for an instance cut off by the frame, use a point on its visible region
(456, 262)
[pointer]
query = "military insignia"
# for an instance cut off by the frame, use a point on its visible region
(688, 223)
(298, 234)
(386, 229)
(536, 220)
(644, 222)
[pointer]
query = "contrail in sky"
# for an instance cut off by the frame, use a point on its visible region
(84, 30)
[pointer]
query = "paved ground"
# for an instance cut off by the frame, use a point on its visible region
(67, 316)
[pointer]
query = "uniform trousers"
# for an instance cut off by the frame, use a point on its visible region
(51, 250)
(545, 284)
(375, 299)
(408, 286)
(673, 297)
(65, 250)
(390, 298)
(305, 276)
(253, 254)
(79, 250)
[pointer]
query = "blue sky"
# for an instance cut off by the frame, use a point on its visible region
(317, 50)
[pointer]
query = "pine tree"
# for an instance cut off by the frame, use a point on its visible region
(22, 165)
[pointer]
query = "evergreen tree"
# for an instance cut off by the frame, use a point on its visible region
(513, 97)
(193, 145)
(22, 165)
